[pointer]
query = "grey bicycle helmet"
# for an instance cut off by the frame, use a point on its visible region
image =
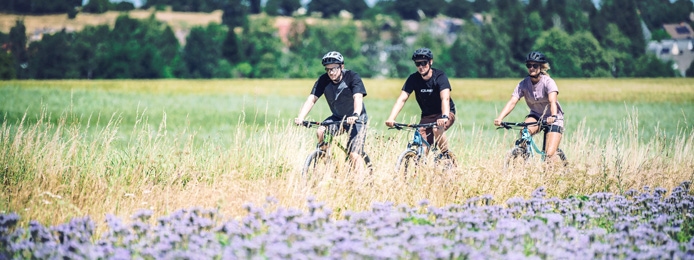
(332, 57)
(536, 56)
(422, 53)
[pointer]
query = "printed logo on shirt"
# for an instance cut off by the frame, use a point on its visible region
(426, 90)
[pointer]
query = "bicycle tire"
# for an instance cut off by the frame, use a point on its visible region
(407, 163)
(513, 155)
(313, 163)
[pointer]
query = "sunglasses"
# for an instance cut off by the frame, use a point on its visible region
(421, 63)
(533, 65)
(332, 70)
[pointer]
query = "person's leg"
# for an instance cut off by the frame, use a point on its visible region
(440, 134)
(442, 140)
(532, 119)
(320, 132)
(428, 133)
(553, 138)
(355, 146)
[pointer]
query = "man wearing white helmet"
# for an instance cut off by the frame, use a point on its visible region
(344, 91)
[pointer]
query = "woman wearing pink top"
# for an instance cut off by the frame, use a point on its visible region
(540, 94)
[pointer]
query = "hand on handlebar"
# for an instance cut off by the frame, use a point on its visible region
(497, 122)
(298, 121)
(352, 119)
(390, 123)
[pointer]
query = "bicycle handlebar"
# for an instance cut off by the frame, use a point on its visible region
(400, 126)
(509, 125)
(312, 123)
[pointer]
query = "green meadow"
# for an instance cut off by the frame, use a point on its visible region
(73, 148)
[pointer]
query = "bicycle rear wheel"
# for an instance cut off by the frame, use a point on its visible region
(316, 162)
(407, 163)
(515, 157)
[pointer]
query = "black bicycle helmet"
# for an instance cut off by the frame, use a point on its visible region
(422, 53)
(536, 56)
(332, 57)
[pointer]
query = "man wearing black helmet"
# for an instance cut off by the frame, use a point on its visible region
(433, 93)
(540, 94)
(344, 91)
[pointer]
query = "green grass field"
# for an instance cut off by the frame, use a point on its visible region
(72, 148)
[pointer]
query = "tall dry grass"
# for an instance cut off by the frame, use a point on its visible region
(53, 170)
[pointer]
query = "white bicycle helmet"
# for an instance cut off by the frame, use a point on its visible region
(332, 57)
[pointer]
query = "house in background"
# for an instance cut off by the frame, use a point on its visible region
(679, 48)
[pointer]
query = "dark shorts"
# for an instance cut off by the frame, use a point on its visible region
(553, 128)
(357, 133)
(429, 132)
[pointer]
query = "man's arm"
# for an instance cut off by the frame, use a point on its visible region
(310, 101)
(399, 104)
(445, 106)
(358, 102)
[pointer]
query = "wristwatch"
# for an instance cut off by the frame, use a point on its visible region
(355, 114)
(444, 116)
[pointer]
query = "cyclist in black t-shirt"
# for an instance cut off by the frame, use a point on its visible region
(433, 93)
(345, 92)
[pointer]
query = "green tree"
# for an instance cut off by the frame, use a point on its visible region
(39, 6)
(649, 66)
(235, 14)
(97, 6)
(617, 54)
(496, 60)
(690, 71)
(202, 53)
(459, 9)
(327, 8)
(254, 7)
(481, 6)
(570, 15)
(53, 57)
(282, 7)
(557, 46)
(465, 52)
(137, 49)
(7, 70)
(90, 47)
(18, 48)
(624, 14)
(231, 50)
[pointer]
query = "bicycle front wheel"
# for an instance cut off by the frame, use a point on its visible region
(316, 162)
(515, 157)
(407, 163)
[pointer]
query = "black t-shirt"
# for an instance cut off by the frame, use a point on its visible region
(340, 96)
(427, 92)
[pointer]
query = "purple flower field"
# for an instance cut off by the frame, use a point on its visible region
(645, 224)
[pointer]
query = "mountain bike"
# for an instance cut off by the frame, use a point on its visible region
(525, 147)
(414, 155)
(321, 159)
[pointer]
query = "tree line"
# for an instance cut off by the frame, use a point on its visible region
(579, 38)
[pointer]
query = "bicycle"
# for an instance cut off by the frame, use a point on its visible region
(320, 158)
(409, 160)
(525, 146)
